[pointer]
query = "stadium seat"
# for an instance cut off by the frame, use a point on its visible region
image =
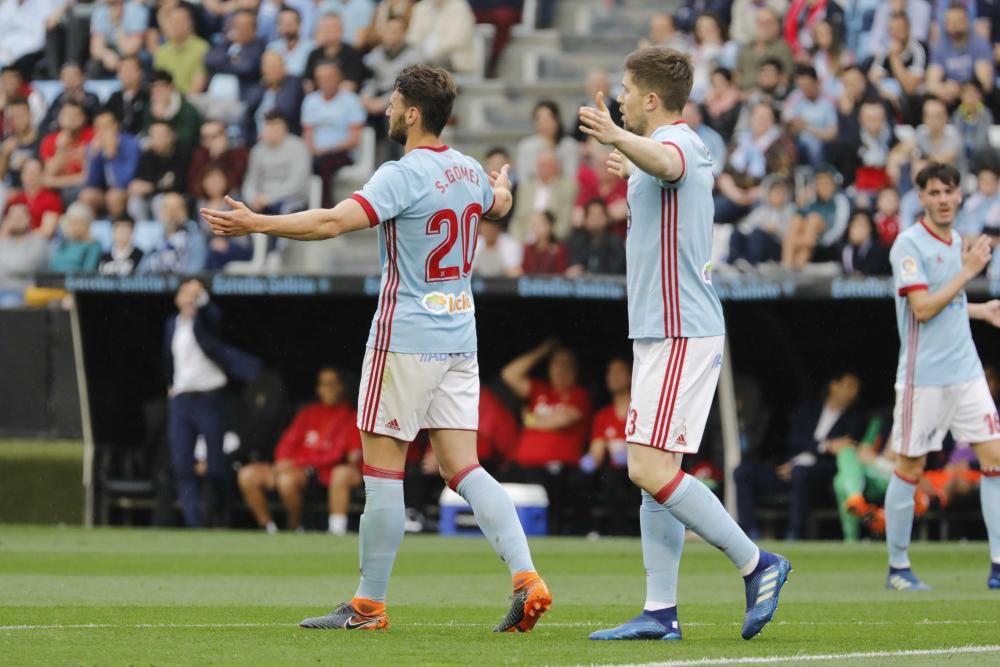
(103, 88)
(364, 161)
(262, 261)
(995, 136)
(100, 231)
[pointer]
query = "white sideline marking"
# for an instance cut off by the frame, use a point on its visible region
(594, 624)
(828, 657)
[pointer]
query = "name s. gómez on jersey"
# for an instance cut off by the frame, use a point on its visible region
(429, 204)
(669, 246)
(939, 351)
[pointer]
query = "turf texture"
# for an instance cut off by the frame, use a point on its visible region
(70, 596)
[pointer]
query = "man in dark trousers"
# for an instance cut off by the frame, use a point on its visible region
(198, 366)
(814, 430)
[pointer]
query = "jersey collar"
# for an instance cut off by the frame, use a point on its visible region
(437, 149)
(933, 233)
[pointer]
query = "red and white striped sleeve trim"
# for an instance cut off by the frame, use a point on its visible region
(683, 161)
(906, 289)
(366, 205)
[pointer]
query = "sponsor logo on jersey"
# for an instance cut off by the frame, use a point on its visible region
(440, 303)
(706, 273)
(908, 269)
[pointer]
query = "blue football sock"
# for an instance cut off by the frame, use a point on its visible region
(767, 559)
(699, 509)
(666, 617)
(899, 520)
(989, 498)
(497, 518)
(662, 543)
(380, 532)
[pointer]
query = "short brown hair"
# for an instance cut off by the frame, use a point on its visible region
(430, 89)
(667, 73)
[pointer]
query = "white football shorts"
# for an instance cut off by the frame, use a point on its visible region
(924, 413)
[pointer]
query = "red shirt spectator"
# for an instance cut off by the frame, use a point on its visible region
(320, 437)
(77, 158)
(44, 205)
(596, 184)
(609, 426)
(215, 151)
(497, 435)
(537, 447)
(545, 255)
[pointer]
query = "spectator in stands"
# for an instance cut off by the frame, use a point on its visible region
(864, 157)
(183, 53)
(973, 120)
(385, 62)
(711, 50)
(44, 205)
(71, 78)
(322, 442)
(918, 12)
(810, 116)
(216, 150)
(813, 427)
(547, 190)
(216, 186)
(330, 47)
(887, 216)
(385, 11)
(759, 237)
(205, 24)
(722, 102)
(713, 141)
(663, 32)
(744, 13)
(910, 209)
(689, 11)
(762, 149)
(76, 252)
(555, 419)
(937, 140)
(981, 209)
(22, 33)
(819, 224)
(239, 53)
(13, 87)
(549, 135)
(356, 15)
(767, 43)
(829, 57)
(770, 88)
(498, 254)
(21, 143)
(503, 15)
(169, 105)
(803, 15)
(444, 32)
(607, 454)
(332, 119)
(268, 12)
(130, 104)
(116, 31)
(22, 254)
(277, 180)
(860, 252)
(123, 258)
(183, 248)
(594, 181)
(64, 152)
(291, 45)
(594, 250)
(545, 255)
(957, 57)
(899, 66)
(112, 163)
(197, 366)
(163, 167)
(599, 82)
(277, 91)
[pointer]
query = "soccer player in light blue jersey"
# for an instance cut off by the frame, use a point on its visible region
(676, 323)
(420, 369)
(940, 384)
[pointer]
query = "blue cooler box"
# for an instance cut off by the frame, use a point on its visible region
(530, 500)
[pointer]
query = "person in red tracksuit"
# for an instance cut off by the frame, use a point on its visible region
(323, 440)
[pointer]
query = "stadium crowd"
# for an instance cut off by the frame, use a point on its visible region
(818, 115)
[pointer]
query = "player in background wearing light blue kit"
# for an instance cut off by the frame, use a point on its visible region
(676, 323)
(940, 385)
(420, 368)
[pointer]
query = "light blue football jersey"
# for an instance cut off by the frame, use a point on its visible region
(428, 206)
(941, 351)
(669, 246)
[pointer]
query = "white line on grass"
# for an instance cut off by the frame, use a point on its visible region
(447, 624)
(828, 657)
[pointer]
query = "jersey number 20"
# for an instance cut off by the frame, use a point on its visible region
(447, 222)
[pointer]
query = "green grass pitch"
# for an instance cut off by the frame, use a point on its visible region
(141, 597)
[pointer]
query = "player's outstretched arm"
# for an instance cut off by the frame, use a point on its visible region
(926, 305)
(312, 225)
(987, 312)
(664, 161)
(503, 199)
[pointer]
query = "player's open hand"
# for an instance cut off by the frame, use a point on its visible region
(619, 165)
(990, 312)
(500, 179)
(597, 123)
(977, 255)
(237, 222)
